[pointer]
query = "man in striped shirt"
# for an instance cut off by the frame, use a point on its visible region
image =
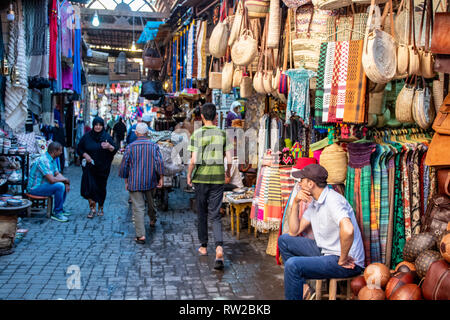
(141, 168)
(209, 146)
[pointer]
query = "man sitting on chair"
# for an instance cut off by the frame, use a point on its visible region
(46, 181)
(336, 252)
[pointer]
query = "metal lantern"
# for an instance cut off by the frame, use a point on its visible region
(121, 63)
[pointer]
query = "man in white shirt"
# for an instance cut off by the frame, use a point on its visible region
(336, 252)
(235, 180)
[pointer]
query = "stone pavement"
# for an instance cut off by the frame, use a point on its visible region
(112, 266)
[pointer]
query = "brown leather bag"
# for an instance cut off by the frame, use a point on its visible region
(442, 122)
(440, 41)
(436, 285)
(435, 156)
(443, 177)
(442, 63)
(437, 216)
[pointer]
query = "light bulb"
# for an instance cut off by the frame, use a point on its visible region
(95, 21)
(133, 46)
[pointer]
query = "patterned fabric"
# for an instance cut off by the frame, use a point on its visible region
(335, 83)
(390, 231)
(190, 52)
(298, 99)
(318, 103)
(375, 204)
(210, 143)
(141, 163)
(384, 203)
(342, 81)
(201, 50)
(406, 192)
(399, 223)
(415, 194)
(328, 79)
(354, 110)
(43, 166)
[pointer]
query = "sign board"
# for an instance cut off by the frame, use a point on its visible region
(133, 72)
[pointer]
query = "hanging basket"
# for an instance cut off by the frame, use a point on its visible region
(334, 159)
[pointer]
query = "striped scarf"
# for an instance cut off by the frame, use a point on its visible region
(318, 107)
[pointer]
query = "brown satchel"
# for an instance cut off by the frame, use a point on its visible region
(440, 41)
(436, 285)
(437, 216)
(443, 177)
(442, 122)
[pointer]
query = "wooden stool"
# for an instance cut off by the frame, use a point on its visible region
(332, 288)
(40, 202)
(237, 209)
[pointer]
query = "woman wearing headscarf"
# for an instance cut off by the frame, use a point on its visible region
(233, 114)
(98, 149)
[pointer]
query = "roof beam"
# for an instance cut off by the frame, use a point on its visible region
(102, 12)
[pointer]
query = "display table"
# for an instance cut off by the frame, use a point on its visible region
(8, 226)
(236, 208)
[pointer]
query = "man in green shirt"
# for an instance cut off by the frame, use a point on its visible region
(209, 146)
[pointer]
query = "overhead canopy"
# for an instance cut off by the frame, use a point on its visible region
(150, 31)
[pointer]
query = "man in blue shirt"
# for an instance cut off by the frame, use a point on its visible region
(131, 135)
(46, 181)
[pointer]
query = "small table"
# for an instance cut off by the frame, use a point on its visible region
(236, 208)
(13, 212)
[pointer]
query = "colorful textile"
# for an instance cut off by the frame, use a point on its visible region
(399, 240)
(406, 192)
(354, 110)
(375, 203)
(201, 51)
(384, 202)
(415, 192)
(335, 83)
(328, 79)
(298, 99)
(318, 103)
(342, 81)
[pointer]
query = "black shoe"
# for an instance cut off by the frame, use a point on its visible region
(218, 265)
(139, 241)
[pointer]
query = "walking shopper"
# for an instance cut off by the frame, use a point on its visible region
(98, 149)
(46, 181)
(143, 170)
(209, 146)
(131, 135)
(337, 249)
(119, 131)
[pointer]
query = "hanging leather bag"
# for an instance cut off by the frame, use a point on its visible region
(442, 122)
(437, 216)
(152, 90)
(423, 109)
(379, 43)
(426, 56)
(440, 41)
(436, 285)
(152, 58)
(443, 177)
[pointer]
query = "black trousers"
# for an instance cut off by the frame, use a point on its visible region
(209, 200)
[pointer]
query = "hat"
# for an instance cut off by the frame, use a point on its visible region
(146, 118)
(314, 172)
(303, 162)
(235, 104)
(142, 128)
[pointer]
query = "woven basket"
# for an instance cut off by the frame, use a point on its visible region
(423, 110)
(236, 25)
(258, 84)
(237, 77)
(245, 49)
(272, 243)
(334, 159)
(219, 40)
(414, 61)
(227, 77)
(257, 8)
(403, 105)
(402, 59)
(246, 87)
(376, 102)
(438, 94)
(331, 4)
(267, 81)
(215, 80)
(273, 38)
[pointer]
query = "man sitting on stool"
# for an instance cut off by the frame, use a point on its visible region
(46, 181)
(336, 252)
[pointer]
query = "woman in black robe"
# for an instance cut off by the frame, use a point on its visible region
(98, 149)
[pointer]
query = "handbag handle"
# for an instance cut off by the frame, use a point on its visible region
(429, 23)
(373, 8)
(446, 185)
(412, 25)
(286, 43)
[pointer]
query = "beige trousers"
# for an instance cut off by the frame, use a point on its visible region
(138, 200)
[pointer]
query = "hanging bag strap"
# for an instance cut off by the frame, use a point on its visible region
(412, 31)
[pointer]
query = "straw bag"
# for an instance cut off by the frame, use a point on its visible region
(258, 79)
(295, 3)
(368, 1)
(237, 77)
(438, 92)
(257, 8)
(273, 36)
(343, 28)
(227, 77)
(215, 78)
(379, 55)
(376, 102)
(414, 56)
(244, 49)
(422, 108)
(334, 159)
(331, 4)
(403, 105)
(218, 41)
(426, 57)
(246, 87)
(236, 26)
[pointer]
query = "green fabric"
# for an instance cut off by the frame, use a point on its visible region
(210, 144)
(399, 222)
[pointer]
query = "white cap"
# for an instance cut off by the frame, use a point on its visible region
(142, 128)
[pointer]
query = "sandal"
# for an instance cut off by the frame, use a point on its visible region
(91, 214)
(202, 254)
(139, 240)
(100, 212)
(218, 265)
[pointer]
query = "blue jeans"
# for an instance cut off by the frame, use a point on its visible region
(303, 260)
(58, 190)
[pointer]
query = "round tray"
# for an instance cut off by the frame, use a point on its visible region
(9, 210)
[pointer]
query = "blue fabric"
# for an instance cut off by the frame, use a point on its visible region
(131, 135)
(150, 31)
(302, 261)
(77, 62)
(58, 190)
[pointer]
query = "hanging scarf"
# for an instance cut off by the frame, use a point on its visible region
(17, 93)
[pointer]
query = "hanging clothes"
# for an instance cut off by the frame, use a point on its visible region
(53, 14)
(298, 99)
(77, 52)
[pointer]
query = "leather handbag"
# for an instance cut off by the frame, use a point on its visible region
(434, 156)
(437, 216)
(442, 122)
(152, 58)
(152, 90)
(443, 177)
(379, 43)
(440, 41)
(436, 285)
(442, 63)
(422, 109)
